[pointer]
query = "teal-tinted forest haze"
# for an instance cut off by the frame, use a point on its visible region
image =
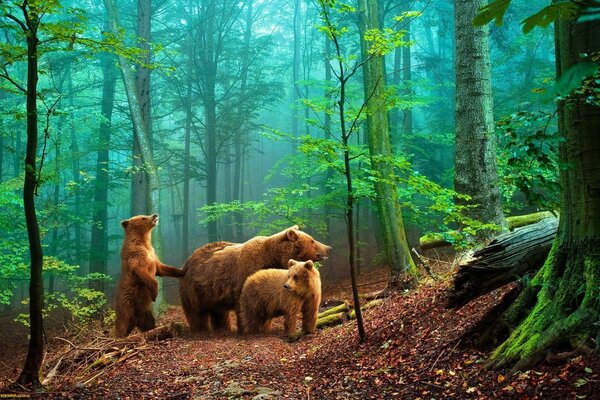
(404, 134)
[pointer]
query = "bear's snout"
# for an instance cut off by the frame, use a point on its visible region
(323, 253)
(286, 286)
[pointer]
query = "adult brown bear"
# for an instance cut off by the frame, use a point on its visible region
(215, 273)
(137, 287)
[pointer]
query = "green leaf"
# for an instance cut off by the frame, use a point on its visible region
(494, 10)
(572, 77)
(549, 14)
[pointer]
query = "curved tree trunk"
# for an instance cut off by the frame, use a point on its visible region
(563, 297)
(475, 152)
(35, 353)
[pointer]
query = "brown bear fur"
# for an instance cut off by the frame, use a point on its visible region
(215, 273)
(271, 293)
(137, 287)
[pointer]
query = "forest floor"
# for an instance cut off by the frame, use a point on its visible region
(415, 349)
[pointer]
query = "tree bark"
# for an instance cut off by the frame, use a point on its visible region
(560, 307)
(388, 207)
(475, 152)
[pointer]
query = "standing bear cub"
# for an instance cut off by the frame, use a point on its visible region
(216, 272)
(137, 287)
(272, 293)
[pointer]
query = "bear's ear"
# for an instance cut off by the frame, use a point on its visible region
(124, 223)
(292, 234)
(291, 262)
(295, 227)
(309, 265)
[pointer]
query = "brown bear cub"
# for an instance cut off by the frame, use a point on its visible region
(215, 273)
(272, 293)
(137, 287)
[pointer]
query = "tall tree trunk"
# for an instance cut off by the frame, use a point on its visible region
(560, 306)
(99, 236)
(475, 153)
(30, 375)
(238, 138)
(209, 67)
(185, 213)
(407, 122)
(388, 206)
(296, 71)
(139, 182)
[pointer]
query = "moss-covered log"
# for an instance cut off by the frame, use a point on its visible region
(334, 310)
(434, 240)
(332, 319)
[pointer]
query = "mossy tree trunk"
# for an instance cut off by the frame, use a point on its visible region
(560, 307)
(380, 149)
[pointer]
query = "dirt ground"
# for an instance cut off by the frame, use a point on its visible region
(414, 349)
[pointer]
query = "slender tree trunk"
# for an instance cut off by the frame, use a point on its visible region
(209, 72)
(99, 236)
(185, 213)
(345, 137)
(238, 138)
(475, 152)
(296, 72)
(560, 306)
(388, 206)
(139, 183)
(30, 376)
(327, 128)
(407, 122)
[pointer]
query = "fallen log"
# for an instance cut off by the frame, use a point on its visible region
(434, 240)
(342, 308)
(332, 319)
(508, 257)
(333, 316)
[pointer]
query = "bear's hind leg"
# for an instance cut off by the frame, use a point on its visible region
(198, 321)
(146, 321)
(221, 320)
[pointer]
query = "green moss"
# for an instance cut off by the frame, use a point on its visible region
(522, 220)
(334, 310)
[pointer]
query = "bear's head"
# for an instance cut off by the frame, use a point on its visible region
(301, 276)
(140, 224)
(306, 248)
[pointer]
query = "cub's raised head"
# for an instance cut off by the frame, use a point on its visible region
(307, 248)
(140, 223)
(301, 277)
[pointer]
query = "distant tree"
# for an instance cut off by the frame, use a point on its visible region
(559, 308)
(99, 236)
(475, 171)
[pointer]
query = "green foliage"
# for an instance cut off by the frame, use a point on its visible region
(573, 77)
(528, 159)
(496, 10)
(75, 297)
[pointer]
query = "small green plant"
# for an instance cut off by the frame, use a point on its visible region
(82, 303)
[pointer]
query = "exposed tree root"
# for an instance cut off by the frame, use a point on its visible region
(566, 311)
